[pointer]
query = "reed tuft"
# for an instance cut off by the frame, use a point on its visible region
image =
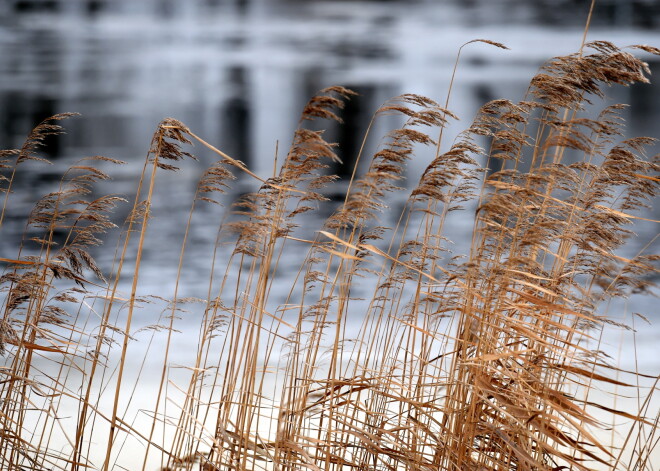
(346, 344)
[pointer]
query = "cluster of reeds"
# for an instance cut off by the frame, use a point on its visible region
(390, 351)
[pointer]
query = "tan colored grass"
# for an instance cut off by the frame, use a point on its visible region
(488, 360)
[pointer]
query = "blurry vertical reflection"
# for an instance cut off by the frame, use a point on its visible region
(236, 116)
(356, 116)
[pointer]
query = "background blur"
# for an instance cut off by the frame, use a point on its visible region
(238, 73)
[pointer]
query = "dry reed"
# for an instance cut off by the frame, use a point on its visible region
(487, 360)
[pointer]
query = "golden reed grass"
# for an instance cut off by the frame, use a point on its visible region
(488, 360)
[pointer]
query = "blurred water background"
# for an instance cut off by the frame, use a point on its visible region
(238, 73)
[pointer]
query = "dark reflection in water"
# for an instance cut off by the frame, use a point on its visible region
(357, 115)
(20, 111)
(236, 116)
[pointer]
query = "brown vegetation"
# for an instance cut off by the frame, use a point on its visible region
(481, 361)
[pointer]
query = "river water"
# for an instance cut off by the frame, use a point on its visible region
(238, 74)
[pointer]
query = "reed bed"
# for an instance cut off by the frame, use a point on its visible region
(390, 351)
